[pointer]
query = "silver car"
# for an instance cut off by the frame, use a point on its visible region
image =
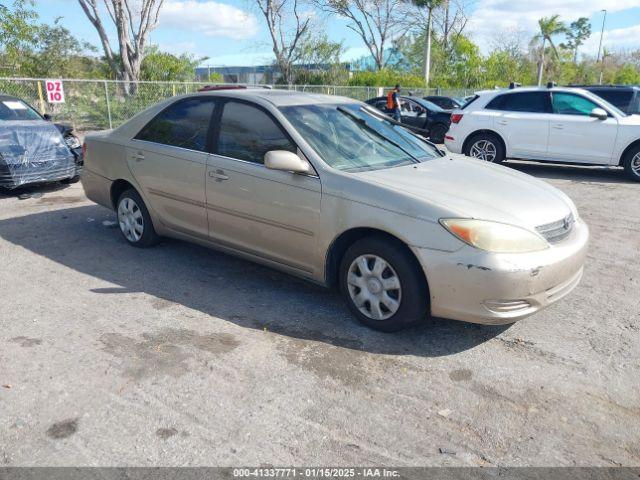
(327, 189)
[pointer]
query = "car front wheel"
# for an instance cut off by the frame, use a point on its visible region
(631, 163)
(485, 147)
(383, 284)
(134, 220)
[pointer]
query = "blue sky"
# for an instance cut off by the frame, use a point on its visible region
(230, 32)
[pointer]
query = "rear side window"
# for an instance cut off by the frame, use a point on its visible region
(533, 102)
(247, 133)
(184, 124)
(570, 104)
(619, 98)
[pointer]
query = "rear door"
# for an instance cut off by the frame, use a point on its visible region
(168, 159)
(522, 119)
(269, 213)
(577, 137)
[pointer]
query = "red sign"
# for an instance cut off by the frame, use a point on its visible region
(55, 91)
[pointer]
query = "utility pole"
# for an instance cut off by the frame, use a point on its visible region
(604, 19)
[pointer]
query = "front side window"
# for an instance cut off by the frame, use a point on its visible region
(570, 104)
(184, 124)
(532, 102)
(352, 137)
(247, 133)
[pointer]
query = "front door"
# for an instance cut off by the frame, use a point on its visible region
(168, 160)
(269, 213)
(575, 136)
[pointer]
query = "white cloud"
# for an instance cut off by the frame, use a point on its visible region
(210, 18)
(495, 17)
(628, 37)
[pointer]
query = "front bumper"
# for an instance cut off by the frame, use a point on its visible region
(482, 287)
(13, 176)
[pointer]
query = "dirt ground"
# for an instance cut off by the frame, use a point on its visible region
(178, 355)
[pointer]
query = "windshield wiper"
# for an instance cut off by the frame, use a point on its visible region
(363, 122)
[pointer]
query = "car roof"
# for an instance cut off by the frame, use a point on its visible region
(7, 97)
(497, 91)
(279, 98)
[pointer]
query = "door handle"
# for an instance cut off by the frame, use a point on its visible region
(219, 175)
(502, 122)
(138, 156)
(559, 126)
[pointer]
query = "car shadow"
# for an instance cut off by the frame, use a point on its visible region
(31, 190)
(86, 239)
(576, 173)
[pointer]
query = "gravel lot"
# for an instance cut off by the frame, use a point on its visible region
(178, 355)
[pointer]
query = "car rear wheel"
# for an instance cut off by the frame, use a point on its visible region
(631, 163)
(134, 220)
(383, 285)
(438, 132)
(485, 147)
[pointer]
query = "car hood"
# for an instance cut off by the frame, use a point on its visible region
(631, 120)
(468, 188)
(23, 142)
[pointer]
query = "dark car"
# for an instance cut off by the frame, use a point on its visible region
(446, 103)
(419, 115)
(626, 98)
(33, 149)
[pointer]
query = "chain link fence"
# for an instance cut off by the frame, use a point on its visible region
(101, 104)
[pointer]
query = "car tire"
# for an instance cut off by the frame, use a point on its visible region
(74, 179)
(134, 220)
(368, 287)
(631, 163)
(438, 132)
(486, 147)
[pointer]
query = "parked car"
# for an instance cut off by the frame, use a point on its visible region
(558, 124)
(34, 150)
(626, 98)
(444, 102)
(328, 189)
(420, 116)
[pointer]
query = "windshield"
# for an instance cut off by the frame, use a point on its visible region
(431, 106)
(352, 138)
(13, 109)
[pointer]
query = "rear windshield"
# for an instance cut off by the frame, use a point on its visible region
(17, 110)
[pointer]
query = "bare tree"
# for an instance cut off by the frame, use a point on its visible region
(377, 22)
(288, 28)
(134, 20)
(450, 21)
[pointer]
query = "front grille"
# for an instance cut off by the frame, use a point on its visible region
(557, 231)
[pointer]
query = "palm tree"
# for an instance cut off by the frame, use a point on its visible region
(429, 6)
(549, 26)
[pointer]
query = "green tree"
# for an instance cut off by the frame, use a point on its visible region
(163, 66)
(577, 33)
(549, 27)
(18, 32)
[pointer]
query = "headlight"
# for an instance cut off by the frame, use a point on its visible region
(494, 236)
(72, 141)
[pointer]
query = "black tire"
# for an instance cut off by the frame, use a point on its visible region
(413, 296)
(492, 139)
(149, 237)
(74, 179)
(438, 132)
(631, 159)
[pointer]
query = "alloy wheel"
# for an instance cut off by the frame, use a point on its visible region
(635, 164)
(130, 219)
(374, 287)
(483, 150)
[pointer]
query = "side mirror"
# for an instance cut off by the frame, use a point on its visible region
(287, 161)
(599, 113)
(47, 117)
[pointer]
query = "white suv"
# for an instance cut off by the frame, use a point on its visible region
(566, 125)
